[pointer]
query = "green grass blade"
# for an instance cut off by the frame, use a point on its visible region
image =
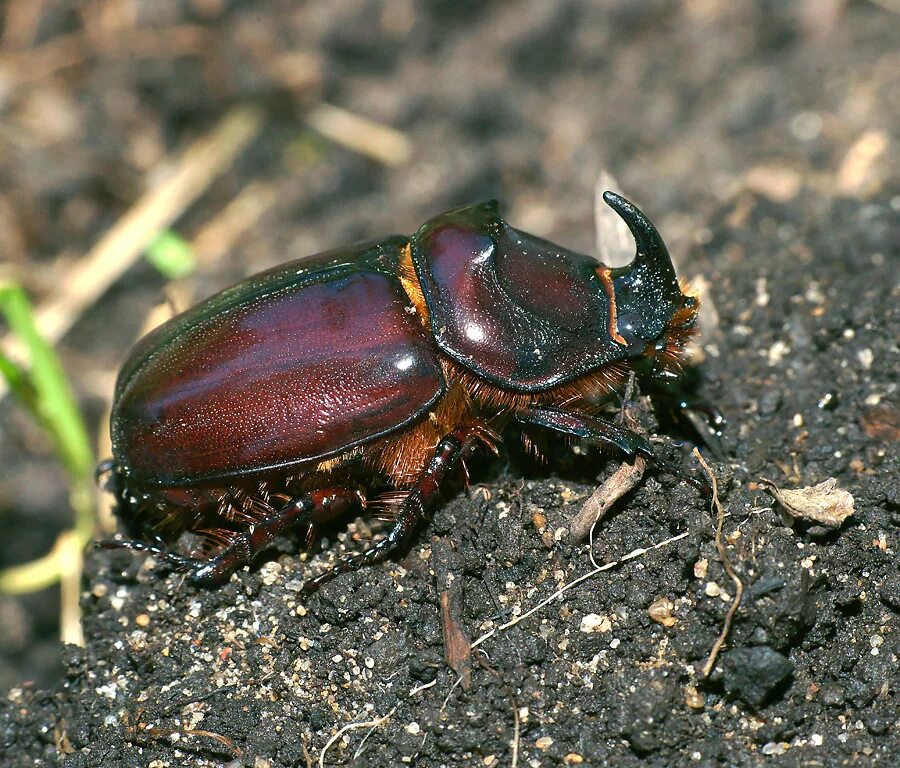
(17, 378)
(44, 391)
(43, 388)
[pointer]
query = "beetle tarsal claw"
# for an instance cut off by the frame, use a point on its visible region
(171, 558)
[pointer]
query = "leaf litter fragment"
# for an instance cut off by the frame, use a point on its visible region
(824, 503)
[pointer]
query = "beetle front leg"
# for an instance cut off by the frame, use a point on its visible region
(587, 427)
(447, 456)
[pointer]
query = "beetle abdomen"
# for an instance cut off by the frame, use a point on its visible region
(277, 379)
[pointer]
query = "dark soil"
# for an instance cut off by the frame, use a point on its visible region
(750, 133)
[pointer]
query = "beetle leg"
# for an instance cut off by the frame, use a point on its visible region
(447, 455)
(676, 405)
(581, 425)
(697, 416)
(157, 549)
(311, 509)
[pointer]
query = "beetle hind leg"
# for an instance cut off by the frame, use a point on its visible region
(310, 509)
(157, 549)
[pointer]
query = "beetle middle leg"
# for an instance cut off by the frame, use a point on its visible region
(447, 456)
(581, 425)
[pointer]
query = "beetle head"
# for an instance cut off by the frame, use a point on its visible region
(654, 318)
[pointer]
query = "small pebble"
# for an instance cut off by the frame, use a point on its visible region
(595, 623)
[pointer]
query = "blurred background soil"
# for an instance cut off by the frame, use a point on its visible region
(760, 137)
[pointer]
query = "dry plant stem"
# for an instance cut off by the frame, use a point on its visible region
(423, 687)
(20, 23)
(218, 236)
(517, 728)
(634, 554)
(71, 565)
(353, 727)
(456, 684)
(63, 563)
(623, 480)
(726, 564)
(69, 50)
(223, 740)
(362, 743)
(181, 182)
(379, 142)
(163, 733)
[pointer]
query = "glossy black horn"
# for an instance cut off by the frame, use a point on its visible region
(652, 253)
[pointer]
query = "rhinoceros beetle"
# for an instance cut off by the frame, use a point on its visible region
(279, 403)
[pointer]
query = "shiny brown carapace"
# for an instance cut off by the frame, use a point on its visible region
(366, 375)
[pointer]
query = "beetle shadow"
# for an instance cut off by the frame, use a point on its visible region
(685, 415)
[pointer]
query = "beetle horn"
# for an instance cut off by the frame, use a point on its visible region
(651, 250)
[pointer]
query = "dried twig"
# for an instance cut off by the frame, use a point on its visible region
(71, 564)
(139, 729)
(20, 23)
(217, 237)
(456, 644)
(623, 480)
(69, 50)
(726, 564)
(517, 727)
(423, 687)
(375, 140)
(183, 182)
(456, 684)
